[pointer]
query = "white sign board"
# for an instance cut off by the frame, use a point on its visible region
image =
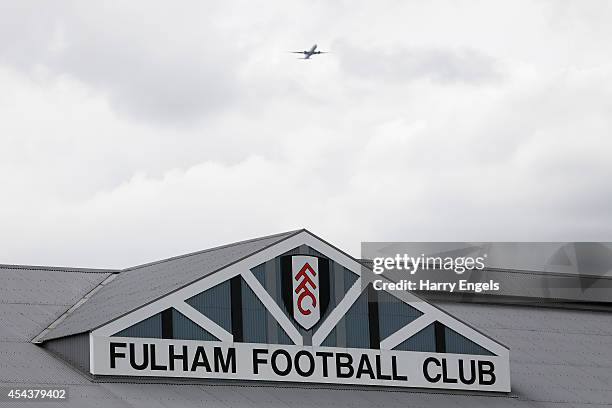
(246, 361)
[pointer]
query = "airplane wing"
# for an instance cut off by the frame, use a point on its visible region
(308, 54)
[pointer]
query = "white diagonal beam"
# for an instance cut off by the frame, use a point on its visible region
(406, 332)
(204, 322)
(273, 307)
(334, 317)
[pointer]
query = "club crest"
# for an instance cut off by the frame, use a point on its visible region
(305, 281)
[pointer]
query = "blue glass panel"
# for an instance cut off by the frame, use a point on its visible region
(282, 337)
(393, 314)
(254, 317)
(349, 278)
(425, 340)
(148, 328)
(330, 340)
(215, 303)
(357, 322)
(260, 273)
(456, 343)
(185, 329)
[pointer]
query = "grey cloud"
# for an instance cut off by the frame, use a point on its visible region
(148, 65)
(438, 65)
(336, 144)
(173, 87)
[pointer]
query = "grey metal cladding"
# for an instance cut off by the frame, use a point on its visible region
(26, 363)
(119, 395)
(21, 322)
(524, 318)
(30, 299)
(79, 396)
(556, 355)
(135, 287)
(237, 396)
(39, 286)
(73, 349)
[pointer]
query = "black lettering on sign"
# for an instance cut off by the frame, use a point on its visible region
(145, 357)
(369, 366)
(229, 361)
(396, 376)
(274, 361)
(462, 376)
(426, 363)
(200, 360)
(154, 365)
(445, 378)
(326, 355)
(486, 368)
(379, 373)
(172, 357)
(257, 360)
(311, 363)
(365, 367)
(348, 364)
(114, 353)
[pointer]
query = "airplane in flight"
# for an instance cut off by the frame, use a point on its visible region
(309, 53)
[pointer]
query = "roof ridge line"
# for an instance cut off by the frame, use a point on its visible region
(39, 337)
(114, 270)
(131, 268)
(59, 268)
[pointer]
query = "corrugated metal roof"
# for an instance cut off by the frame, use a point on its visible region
(166, 396)
(32, 297)
(21, 322)
(224, 396)
(524, 318)
(556, 355)
(40, 286)
(26, 363)
(559, 357)
(135, 287)
(79, 396)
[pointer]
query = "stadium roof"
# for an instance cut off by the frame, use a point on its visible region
(559, 356)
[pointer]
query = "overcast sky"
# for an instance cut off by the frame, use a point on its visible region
(134, 131)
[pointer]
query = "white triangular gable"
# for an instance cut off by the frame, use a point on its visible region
(243, 268)
(101, 338)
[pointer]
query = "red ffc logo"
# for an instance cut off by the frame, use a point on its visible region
(305, 288)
